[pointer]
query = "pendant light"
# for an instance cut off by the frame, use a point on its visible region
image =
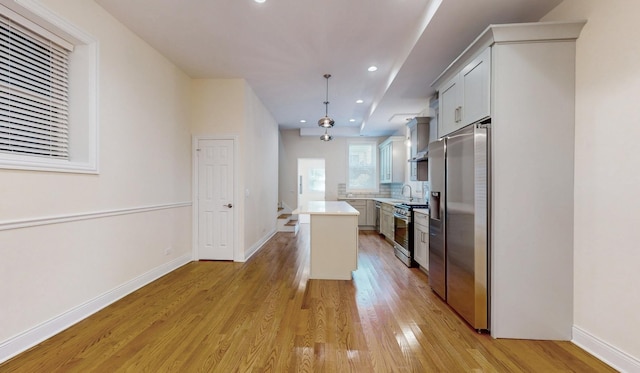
(326, 122)
(326, 136)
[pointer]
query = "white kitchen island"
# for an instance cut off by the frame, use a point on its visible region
(334, 239)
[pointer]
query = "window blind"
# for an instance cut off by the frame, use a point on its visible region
(33, 93)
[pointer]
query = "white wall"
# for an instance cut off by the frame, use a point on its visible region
(145, 161)
(294, 146)
(607, 172)
(230, 107)
(261, 173)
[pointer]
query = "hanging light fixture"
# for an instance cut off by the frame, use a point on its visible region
(326, 122)
(326, 136)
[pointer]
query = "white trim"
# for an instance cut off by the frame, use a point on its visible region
(604, 351)
(84, 86)
(34, 222)
(238, 256)
(23, 341)
(259, 245)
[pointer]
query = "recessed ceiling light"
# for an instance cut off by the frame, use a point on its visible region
(359, 101)
(352, 120)
(372, 68)
(303, 121)
(260, 1)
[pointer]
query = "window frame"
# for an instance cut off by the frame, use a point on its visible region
(374, 145)
(83, 90)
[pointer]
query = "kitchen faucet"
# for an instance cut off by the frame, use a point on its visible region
(402, 192)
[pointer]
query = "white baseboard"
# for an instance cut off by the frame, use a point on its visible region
(22, 342)
(604, 351)
(258, 245)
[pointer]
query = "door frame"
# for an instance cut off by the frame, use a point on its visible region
(237, 202)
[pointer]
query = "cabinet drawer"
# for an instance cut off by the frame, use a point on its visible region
(387, 207)
(357, 203)
(421, 219)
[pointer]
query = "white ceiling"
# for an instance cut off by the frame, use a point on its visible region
(283, 48)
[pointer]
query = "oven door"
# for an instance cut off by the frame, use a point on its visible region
(401, 231)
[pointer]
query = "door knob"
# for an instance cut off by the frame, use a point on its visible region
(228, 205)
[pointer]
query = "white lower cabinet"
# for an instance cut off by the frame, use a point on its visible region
(421, 239)
(361, 206)
(386, 220)
(371, 212)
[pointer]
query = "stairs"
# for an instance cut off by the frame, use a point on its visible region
(287, 222)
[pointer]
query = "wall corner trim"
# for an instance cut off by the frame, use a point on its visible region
(258, 245)
(22, 342)
(604, 351)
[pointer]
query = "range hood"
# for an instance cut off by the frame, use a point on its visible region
(420, 156)
(419, 129)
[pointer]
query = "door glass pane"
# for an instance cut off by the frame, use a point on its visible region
(316, 179)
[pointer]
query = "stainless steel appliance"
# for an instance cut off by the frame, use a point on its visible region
(458, 222)
(403, 231)
(378, 207)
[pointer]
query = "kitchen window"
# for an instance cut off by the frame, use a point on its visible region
(47, 92)
(362, 166)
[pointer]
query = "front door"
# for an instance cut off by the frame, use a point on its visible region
(215, 200)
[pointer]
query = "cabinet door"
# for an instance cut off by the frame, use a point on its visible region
(386, 227)
(449, 107)
(476, 90)
(385, 174)
(421, 245)
(361, 206)
(383, 222)
(390, 226)
(371, 212)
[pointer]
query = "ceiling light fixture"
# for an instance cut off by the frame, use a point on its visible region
(372, 68)
(326, 121)
(326, 136)
(260, 1)
(303, 121)
(359, 101)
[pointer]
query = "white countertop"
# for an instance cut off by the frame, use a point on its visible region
(391, 201)
(326, 208)
(422, 211)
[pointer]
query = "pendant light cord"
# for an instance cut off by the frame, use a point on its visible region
(326, 100)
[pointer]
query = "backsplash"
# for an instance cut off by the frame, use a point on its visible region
(393, 190)
(383, 192)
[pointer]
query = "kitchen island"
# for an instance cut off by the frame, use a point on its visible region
(334, 239)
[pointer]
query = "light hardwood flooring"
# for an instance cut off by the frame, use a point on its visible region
(265, 315)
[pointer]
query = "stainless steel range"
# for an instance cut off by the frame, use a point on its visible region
(403, 231)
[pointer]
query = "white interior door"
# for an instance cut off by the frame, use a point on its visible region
(311, 183)
(215, 200)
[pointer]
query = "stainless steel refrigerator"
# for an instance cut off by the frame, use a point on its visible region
(459, 222)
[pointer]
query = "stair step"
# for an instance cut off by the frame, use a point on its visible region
(284, 216)
(291, 223)
(280, 208)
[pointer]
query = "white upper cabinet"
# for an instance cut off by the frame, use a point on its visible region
(465, 98)
(522, 77)
(393, 158)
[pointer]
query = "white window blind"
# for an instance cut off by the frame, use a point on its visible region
(33, 93)
(362, 171)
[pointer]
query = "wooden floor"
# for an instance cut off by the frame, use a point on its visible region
(265, 315)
